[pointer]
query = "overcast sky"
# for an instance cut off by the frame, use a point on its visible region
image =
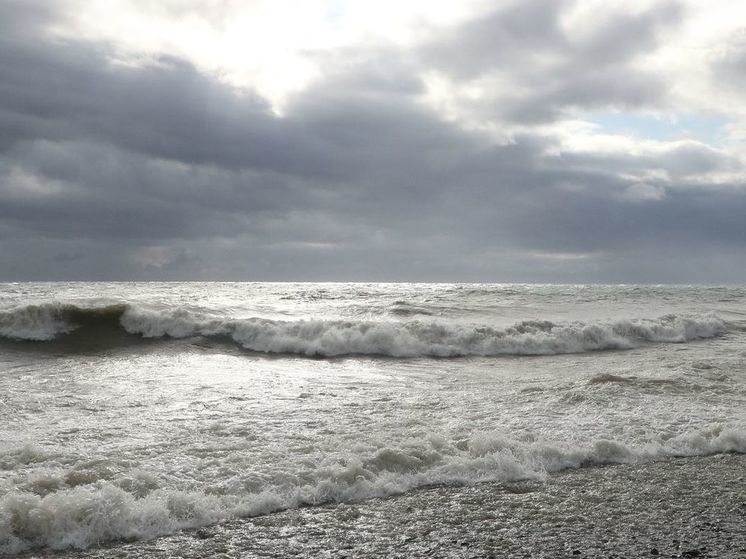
(528, 140)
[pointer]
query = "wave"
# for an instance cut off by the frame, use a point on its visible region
(47, 321)
(330, 338)
(67, 509)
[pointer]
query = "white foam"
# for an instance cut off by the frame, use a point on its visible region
(445, 340)
(103, 511)
(85, 516)
(417, 338)
(34, 322)
(358, 337)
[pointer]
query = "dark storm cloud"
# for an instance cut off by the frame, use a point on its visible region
(521, 32)
(165, 110)
(548, 68)
(158, 171)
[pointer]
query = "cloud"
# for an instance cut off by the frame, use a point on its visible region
(527, 64)
(157, 170)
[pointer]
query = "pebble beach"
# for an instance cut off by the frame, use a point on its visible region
(691, 507)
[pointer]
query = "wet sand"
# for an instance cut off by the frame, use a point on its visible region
(693, 507)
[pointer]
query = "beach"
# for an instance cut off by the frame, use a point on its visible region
(687, 507)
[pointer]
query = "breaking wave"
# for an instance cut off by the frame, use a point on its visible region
(329, 338)
(61, 510)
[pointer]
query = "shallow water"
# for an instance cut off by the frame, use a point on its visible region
(683, 507)
(130, 411)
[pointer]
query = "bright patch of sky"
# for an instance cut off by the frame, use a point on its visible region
(663, 128)
(267, 45)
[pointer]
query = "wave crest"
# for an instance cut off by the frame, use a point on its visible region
(330, 338)
(107, 509)
(47, 321)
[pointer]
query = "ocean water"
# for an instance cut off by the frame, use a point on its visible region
(129, 411)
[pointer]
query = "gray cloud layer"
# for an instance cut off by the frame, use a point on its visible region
(110, 171)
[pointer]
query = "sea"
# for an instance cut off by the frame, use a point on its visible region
(130, 411)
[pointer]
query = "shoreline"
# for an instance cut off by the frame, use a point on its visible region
(681, 507)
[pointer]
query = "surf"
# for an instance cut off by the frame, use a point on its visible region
(123, 322)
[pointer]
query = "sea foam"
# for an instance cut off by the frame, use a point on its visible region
(104, 510)
(329, 338)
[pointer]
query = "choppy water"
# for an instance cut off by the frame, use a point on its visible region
(133, 410)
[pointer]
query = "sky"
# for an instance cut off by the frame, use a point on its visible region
(346, 140)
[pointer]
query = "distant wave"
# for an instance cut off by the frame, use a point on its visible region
(329, 338)
(94, 502)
